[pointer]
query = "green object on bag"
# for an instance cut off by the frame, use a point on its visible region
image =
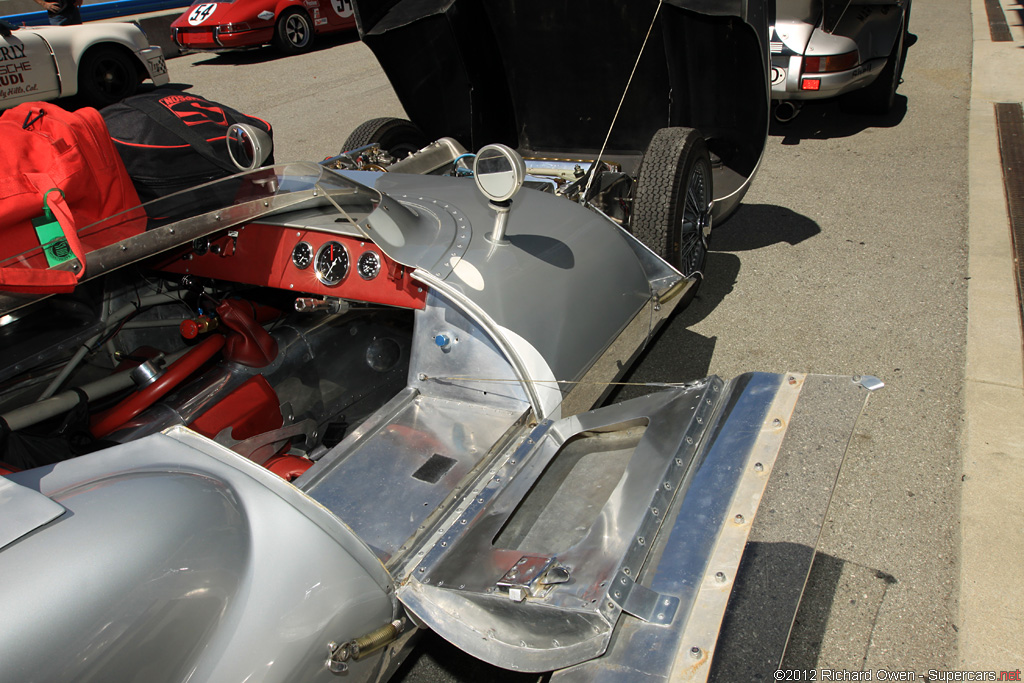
(51, 235)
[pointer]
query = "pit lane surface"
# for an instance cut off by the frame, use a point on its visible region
(848, 256)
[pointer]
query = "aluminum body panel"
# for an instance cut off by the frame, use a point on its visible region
(23, 511)
(183, 560)
(473, 367)
(542, 289)
(388, 481)
(712, 443)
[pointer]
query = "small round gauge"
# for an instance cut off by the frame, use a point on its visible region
(302, 255)
(368, 265)
(331, 263)
(201, 245)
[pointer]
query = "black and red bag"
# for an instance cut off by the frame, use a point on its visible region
(172, 140)
(59, 177)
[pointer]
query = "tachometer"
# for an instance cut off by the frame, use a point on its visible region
(331, 263)
(302, 255)
(368, 265)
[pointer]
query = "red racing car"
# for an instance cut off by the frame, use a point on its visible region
(287, 24)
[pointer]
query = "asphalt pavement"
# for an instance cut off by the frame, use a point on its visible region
(867, 245)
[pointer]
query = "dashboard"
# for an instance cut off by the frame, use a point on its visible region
(302, 260)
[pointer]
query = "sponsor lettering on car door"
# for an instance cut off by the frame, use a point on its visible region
(27, 71)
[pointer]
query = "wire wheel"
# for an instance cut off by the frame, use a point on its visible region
(693, 247)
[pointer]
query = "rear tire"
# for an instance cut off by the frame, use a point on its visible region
(397, 137)
(293, 33)
(672, 202)
(880, 95)
(107, 75)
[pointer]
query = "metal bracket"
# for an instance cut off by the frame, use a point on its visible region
(642, 602)
(869, 382)
(261, 447)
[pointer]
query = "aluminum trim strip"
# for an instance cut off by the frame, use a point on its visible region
(699, 638)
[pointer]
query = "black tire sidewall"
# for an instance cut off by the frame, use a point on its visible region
(92, 91)
(880, 96)
(670, 161)
(393, 135)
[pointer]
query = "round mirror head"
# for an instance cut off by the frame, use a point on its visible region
(248, 146)
(499, 172)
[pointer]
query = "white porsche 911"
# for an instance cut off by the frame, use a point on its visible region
(103, 63)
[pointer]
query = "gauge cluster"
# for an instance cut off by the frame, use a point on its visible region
(303, 261)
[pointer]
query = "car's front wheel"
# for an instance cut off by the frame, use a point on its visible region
(672, 202)
(107, 75)
(293, 33)
(397, 137)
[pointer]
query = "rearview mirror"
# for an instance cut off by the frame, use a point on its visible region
(499, 172)
(248, 146)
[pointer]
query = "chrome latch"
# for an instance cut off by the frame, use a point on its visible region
(532, 576)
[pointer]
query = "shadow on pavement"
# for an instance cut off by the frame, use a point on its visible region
(269, 54)
(826, 119)
(755, 226)
(837, 615)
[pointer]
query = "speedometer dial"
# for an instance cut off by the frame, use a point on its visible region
(331, 263)
(368, 265)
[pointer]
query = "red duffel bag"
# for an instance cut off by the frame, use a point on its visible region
(61, 181)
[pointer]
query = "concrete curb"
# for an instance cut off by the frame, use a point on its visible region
(991, 602)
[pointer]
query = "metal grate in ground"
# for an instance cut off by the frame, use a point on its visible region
(997, 26)
(1010, 129)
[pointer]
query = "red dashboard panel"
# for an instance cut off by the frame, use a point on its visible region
(262, 255)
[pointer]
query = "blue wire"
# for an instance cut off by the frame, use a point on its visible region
(462, 171)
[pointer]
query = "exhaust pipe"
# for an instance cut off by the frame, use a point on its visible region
(787, 110)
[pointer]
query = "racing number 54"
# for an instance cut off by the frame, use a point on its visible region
(200, 13)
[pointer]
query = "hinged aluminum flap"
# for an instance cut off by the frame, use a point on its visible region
(535, 569)
(734, 617)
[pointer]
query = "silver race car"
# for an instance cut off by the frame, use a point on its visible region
(829, 48)
(291, 419)
(304, 414)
